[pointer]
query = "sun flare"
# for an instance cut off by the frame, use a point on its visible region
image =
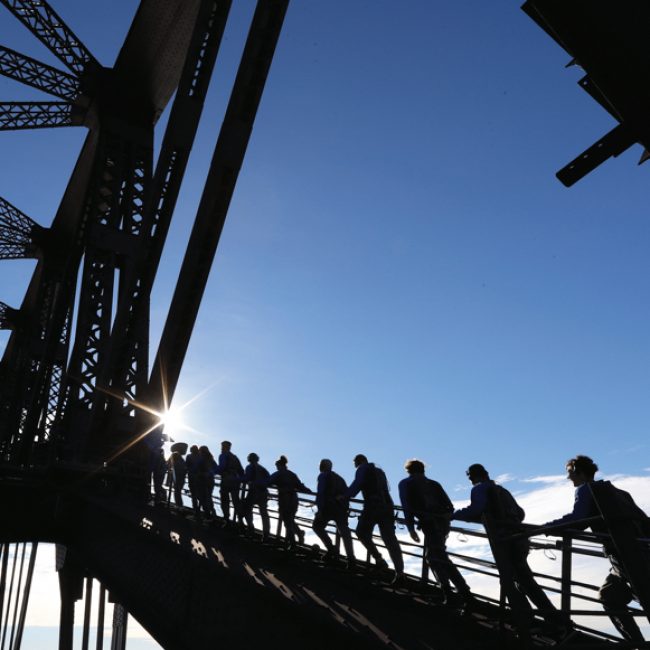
(173, 423)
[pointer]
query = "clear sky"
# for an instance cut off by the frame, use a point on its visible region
(400, 274)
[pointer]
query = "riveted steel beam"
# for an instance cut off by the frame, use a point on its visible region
(51, 30)
(41, 76)
(37, 115)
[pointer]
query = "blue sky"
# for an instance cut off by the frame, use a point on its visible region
(400, 274)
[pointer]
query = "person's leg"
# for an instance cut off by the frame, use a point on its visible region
(287, 511)
(387, 532)
(193, 492)
(208, 497)
(521, 610)
(178, 493)
(319, 527)
(365, 527)
(615, 594)
(444, 569)
(233, 493)
(526, 583)
(224, 496)
(346, 535)
(292, 509)
(247, 510)
(202, 492)
(264, 515)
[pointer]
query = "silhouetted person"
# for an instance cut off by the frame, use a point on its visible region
(616, 592)
(176, 476)
(256, 478)
(377, 511)
(207, 472)
(288, 486)
(159, 471)
(156, 465)
(232, 474)
(496, 508)
(425, 501)
(332, 505)
(192, 461)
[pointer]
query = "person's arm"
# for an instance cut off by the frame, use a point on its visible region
(477, 506)
(583, 507)
(408, 514)
(355, 487)
(301, 487)
(320, 490)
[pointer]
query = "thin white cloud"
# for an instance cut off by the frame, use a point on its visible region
(505, 478)
(553, 478)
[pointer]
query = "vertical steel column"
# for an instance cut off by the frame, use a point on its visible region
(5, 615)
(66, 623)
(18, 588)
(71, 589)
(120, 620)
(23, 608)
(100, 617)
(425, 566)
(88, 603)
(567, 552)
(4, 550)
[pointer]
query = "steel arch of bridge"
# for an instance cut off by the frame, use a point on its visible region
(75, 370)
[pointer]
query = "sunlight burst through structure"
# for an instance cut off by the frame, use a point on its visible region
(172, 422)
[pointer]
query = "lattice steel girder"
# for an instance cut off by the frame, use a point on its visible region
(219, 187)
(20, 236)
(611, 47)
(38, 115)
(36, 359)
(144, 77)
(51, 30)
(132, 314)
(114, 204)
(39, 75)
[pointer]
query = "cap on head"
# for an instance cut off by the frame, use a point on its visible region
(477, 472)
(359, 459)
(414, 466)
(226, 443)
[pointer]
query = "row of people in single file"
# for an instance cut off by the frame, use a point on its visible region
(426, 507)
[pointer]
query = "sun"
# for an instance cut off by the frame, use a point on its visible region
(173, 423)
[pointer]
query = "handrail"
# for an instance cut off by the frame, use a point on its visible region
(561, 584)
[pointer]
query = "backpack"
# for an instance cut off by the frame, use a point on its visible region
(618, 507)
(233, 467)
(503, 506)
(336, 486)
(375, 487)
(428, 498)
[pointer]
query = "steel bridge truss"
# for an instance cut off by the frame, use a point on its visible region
(76, 366)
(73, 394)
